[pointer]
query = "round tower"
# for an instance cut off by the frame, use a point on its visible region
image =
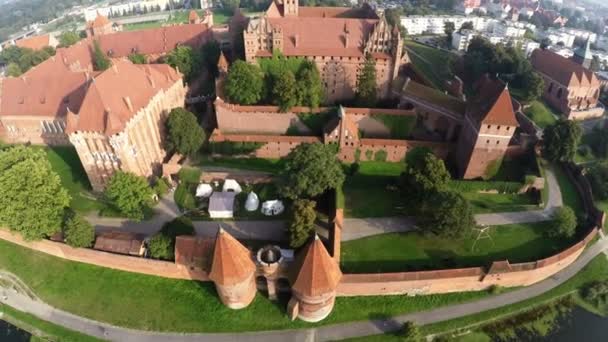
(314, 279)
(232, 271)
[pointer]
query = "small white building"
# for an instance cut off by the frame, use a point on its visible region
(221, 205)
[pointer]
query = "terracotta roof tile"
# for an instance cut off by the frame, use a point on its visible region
(314, 272)
(561, 69)
(111, 99)
(192, 251)
(99, 21)
(492, 104)
(34, 43)
(232, 262)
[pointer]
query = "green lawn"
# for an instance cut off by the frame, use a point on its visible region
(570, 196)
(400, 126)
(153, 303)
(414, 251)
(433, 63)
(252, 164)
(541, 114)
(46, 331)
(492, 203)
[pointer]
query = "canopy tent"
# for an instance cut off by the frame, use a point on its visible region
(253, 202)
(231, 185)
(204, 190)
(221, 205)
(272, 208)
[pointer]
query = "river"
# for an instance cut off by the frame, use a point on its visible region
(579, 325)
(10, 333)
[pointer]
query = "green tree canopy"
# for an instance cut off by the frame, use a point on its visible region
(130, 194)
(186, 60)
(24, 58)
(366, 94)
(284, 91)
(184, 134)
(32, 199)
(310, 170)
(244, 83)
(68, 38)
(446, 214)
(411, 332)
(448, 28)
(424, 175)
(310, 87)
(100, 61)
(160, 247)
(301, 223)
(560, 140)
(564, 223)
(77, 231)
(137, 58)
(13, 70)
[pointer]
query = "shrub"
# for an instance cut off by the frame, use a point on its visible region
(357, 155)
(369, 154)
(78, 232)
(596, 294)
(411, 332)
(131, 194)
(161, 247)
(184, 196)
(476, 186)
(492, 169)
(179, 226)
(301, 222)
(564, 224)
(190, 175)
(380, 156)
(161, 186)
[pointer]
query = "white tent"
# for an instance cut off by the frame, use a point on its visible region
(231, 185)
(253, 202)
(272, 208)
(221, 205)
(204, 190)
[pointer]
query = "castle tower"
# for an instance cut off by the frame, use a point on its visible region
(290, 8)
(487, 129)
(314, 279)
(583, 55)
(232, 271)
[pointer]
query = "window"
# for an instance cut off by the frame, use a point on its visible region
(489, 126)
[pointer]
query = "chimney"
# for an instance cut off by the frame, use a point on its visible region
(128, 103)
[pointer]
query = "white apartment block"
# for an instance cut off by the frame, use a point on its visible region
(568, 35)
(129, 6)
(434, 24)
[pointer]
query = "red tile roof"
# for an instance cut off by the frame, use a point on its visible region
(492, 104)
(112, 99)
(34, 43)
(563, 70)
(232, 262)
(155, 40)
(314, 271)
(120, 242)
(193, 252)
(99, 21)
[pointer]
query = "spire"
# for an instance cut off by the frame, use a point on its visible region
(231, 263)
(315, 272)
(222, 63)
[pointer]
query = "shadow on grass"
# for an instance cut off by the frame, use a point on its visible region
(385, 323)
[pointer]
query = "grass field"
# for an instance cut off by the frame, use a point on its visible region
(570, 196)
(161, 304)
(400, 127)
(252, 164)
(491, 203)
(433, 63)
(396, 252)
(541, 114)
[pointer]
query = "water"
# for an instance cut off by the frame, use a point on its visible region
(10, 333)
(580, 325)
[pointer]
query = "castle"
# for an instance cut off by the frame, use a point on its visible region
(337, 39)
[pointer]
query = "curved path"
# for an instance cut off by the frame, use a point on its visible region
(325, 333)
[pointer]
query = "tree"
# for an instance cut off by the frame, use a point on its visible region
(449, 29)
(137, 58)
(560, 140)
(424, 176)
(32, 199)
(182, 58)
(284, 91)
(230, 5)
(366, 84)
(564, 223)
(131, 194)
(100, 61)
(184, 134)
(467, 25)
(77, 231)
(301, 222)
(446, 214)
(13, 70)
(411, 332)
(535, 86)
(68, 38)
(310, 170)
(160, 247)
(310, 87)
(244, 83)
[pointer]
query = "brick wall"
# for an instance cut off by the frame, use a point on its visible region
(397, 149)
(119, 262)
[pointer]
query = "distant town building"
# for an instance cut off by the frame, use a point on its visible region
(435, 24)
(125, 7)
(337, 39)
(469, 6)
(569, 87)
(99, 26)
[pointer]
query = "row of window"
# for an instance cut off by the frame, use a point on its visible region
(52, 126)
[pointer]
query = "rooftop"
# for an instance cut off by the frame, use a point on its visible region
(314, 271)
(120, 242)
(232, 263)
(492, 104)
(434, 96)
(34, 43)
(563, 70)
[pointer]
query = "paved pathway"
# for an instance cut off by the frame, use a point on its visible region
(326, 333)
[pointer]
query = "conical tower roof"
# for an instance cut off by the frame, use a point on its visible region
(222, 62)
(231, 263)
(315, 272)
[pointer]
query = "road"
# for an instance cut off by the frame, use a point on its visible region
(327, 333)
